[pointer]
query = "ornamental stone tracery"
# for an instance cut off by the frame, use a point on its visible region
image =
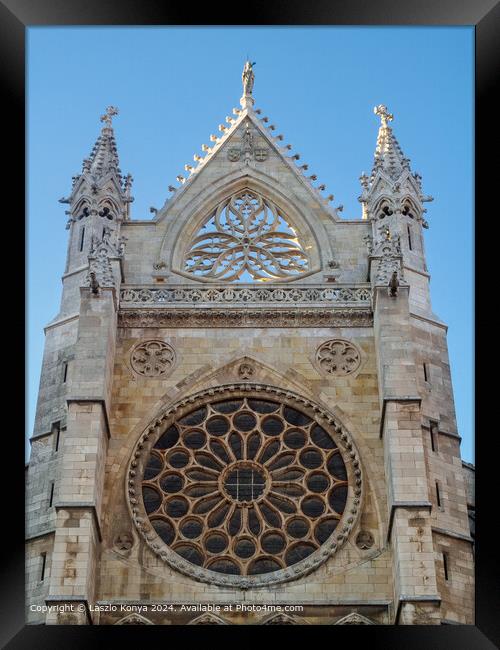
(152, 359)
(245, 239)
(338, 357)
(244, 486)
(232, 295)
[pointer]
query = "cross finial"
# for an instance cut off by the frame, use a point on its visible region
(384, 114)
(111, 111)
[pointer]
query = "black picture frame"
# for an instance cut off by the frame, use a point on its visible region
(15, 17)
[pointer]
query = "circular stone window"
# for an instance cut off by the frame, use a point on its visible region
(245, 486)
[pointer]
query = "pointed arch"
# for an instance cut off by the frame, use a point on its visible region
(109, 203)
(208, 619)
(83, 202)
(281, 619)
(354, 619)
(246, 238)
(134, 619)
(410, 208)
(198, 209)
(383, 207)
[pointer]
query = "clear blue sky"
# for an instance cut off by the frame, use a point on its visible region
(173, 86)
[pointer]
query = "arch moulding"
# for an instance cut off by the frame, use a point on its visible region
(180, 231)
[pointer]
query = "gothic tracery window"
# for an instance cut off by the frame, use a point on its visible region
(244, 486)
(246, 238)
(408, 210)
(384, 210)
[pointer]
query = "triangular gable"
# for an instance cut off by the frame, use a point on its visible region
(354, 619)
(208, 619)
(134, 619)
(232, 152)
(280, 619)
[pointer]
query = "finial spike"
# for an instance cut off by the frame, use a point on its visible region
(383, 113)
(111, 111)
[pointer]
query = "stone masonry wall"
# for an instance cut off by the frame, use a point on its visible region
(287, 358)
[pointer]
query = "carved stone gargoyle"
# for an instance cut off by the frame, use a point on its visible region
(94, 284)
(394, 284)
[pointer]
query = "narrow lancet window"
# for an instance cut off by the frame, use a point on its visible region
(56, 428)
(82, 238)
(409, 238)
(438, 496)
(42, 571)
(433, 432)
(445, 566)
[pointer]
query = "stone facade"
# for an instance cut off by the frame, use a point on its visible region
(247, 283)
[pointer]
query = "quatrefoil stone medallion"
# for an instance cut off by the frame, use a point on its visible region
(153, 359)
(338, 357)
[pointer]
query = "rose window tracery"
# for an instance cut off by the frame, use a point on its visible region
(246, 238)
(245, 487)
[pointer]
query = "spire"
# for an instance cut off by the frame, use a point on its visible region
(247, 78)
(104, 155)
(100, 184)
(391, 174)
(103, 161)
(388, 157)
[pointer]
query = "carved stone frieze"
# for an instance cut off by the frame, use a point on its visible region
(209, 317)
(231, 295)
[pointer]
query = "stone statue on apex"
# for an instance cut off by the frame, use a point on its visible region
(248, 78)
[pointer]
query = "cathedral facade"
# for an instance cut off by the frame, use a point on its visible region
(245, 412)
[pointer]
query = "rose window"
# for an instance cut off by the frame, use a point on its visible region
(246, 239)
(243, 486)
